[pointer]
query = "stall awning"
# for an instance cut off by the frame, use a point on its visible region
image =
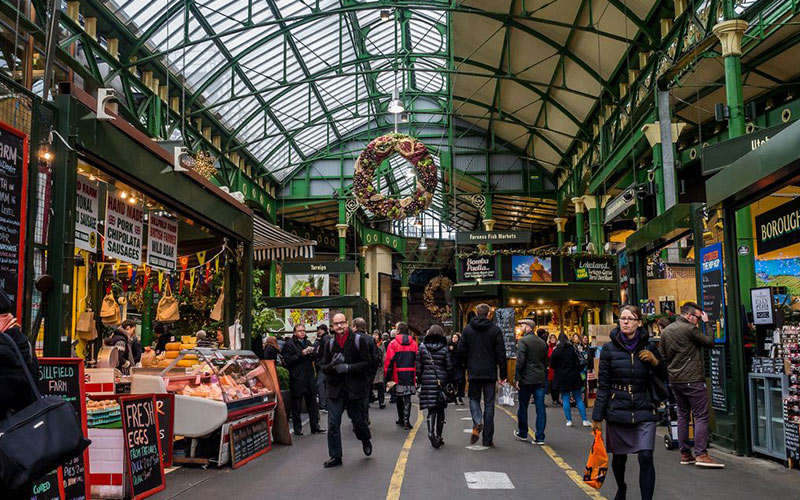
(273, 243)
(664, 229)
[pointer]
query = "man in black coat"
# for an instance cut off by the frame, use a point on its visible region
(483, 352)
(345, 361)
(322, 336)
(298, 356)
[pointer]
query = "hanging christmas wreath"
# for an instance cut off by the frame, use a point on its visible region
(438, 283)
(367, 164)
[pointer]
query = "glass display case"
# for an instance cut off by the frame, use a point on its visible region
(767, 391)
(236, 378)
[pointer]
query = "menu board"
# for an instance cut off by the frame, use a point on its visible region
(162, 243)
(483, 267)
(504, 319)
(142, 445)
(791, 434)
(719, 399)
(712, 286)
(165, 411)
(49, 487)
(64, 377)
(123, 238)
(13, 204)
(87, 195)
(249, 440)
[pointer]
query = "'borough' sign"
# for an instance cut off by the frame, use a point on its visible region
(779, 227)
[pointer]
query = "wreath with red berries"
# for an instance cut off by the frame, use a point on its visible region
(438, 283)
(370, 159)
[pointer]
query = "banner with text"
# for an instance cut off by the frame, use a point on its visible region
(594, 269)
(123, 238)
(162, 244)
(86, 214)
(483, 267)
(711, 282)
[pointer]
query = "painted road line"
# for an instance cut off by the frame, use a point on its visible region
(476, 447)
(467, 418)
(569, 471)
(396, 483)
(486, 480)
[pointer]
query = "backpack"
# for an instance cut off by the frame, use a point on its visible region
(583, 360)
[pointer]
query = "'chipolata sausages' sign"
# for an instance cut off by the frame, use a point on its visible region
(123, 230)
(162, 244)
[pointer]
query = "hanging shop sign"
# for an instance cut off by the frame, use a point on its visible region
(530, 268)
(307, 285)
(779, 227)
(712, 287)
(504, 319)
(720, 155)
(13, 203)
(763, 310)
(64, 377)
(162, 243)
(331, 267)
(593, 270)
(483, 267)
(87, 194)
(142, 445)
(716, 368)
(492, 237)
(123, 238)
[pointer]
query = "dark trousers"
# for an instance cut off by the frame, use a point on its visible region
(692, 399)
(311, 406)
(404, 408)
(485, 388)
(461, 386)
(321, 390)
(355, 410)
(647, 474)
(525, 393)
(435, 421)
(380, 387)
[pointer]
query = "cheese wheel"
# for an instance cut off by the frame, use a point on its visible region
(188, 346)
(192, 357)
(185, 339)
(164, 363)
(171, 354)
(173, 346)
(187, 362)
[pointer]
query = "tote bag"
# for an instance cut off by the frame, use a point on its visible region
(167, 311)
(109, 312)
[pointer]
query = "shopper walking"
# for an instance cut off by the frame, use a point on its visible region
(378, 384)
(482, 350)
(298, 355)
(530, 377)
(435, 367)
(568, 380)
(15, 391)
(555, 397)
(360, 328)
(345, 361)
(681, 346)
(322, 336)
(400, 369)
(626, 375)
(460, 375)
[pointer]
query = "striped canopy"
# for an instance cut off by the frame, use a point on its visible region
(273, 243)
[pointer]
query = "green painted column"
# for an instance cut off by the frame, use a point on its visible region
(579, 234)
(341, 227)
(273, 278)
(147, 316)
(362, 272)
(488, 222)
(561, 225)
(404, 290)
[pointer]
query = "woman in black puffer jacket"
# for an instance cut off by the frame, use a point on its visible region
(625, 400)
(435, 369)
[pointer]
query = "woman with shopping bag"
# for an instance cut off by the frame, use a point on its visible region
(625, 400)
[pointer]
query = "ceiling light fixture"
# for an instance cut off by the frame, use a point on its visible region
(405, 117)
(422, 244)
(123, 195)
(386, 14)
(396, 105)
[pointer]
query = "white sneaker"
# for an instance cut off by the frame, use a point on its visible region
(586, 423)
(569, 423)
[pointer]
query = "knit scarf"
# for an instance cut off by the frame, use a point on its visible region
(629, 343)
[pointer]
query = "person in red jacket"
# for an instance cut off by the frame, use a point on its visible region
(400, 368)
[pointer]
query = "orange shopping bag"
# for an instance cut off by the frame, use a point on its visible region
(597, 465)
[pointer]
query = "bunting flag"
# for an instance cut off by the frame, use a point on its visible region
(216, 265)
(191, 280)
(147, 271)
(180, 285)
(130, 271)
(201, 257)
(208, 270)
(100, 267)
(115, 268)
(160, 280)
(133, 275)
(184, 262)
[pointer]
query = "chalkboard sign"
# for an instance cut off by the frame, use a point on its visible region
(719, 399)
(249, 440)
(791, 434)
(142, 445)
(504, 319)
(50, 487)
(165, 410)
(64, 377)
(13, 201)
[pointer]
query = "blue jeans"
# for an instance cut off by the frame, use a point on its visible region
(485, 388)
(578, 395)
(525, 392)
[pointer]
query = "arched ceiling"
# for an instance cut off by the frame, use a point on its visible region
(290, 77)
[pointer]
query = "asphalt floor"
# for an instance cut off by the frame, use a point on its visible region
(404, 468)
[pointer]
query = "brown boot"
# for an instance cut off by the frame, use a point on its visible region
(707, 462)
(476, 433)
(687, 458)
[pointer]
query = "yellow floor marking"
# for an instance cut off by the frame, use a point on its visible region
(569, 471)
(396, 484)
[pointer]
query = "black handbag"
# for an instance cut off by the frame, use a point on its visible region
(38, 438)
(447, 392)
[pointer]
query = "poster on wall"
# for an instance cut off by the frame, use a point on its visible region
(162, 243)
(711, 281)
(531, 268)
(13, 203)
(593, 269)
(763, 310)
(87, 195)
(482, 267)
(307, 285)
(123, 238)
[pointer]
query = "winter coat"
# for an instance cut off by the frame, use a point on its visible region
(120, 340)
(319, 347)
(356, 355)
(301, 366)
(435, 368)
(482, 350)
(460, 373)
(375, 356)
(381, 353)
(531, 360)
(567, 368)
(15, 390)
(624, 382)
(681, 347)
(551, 372)
(400, 363)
